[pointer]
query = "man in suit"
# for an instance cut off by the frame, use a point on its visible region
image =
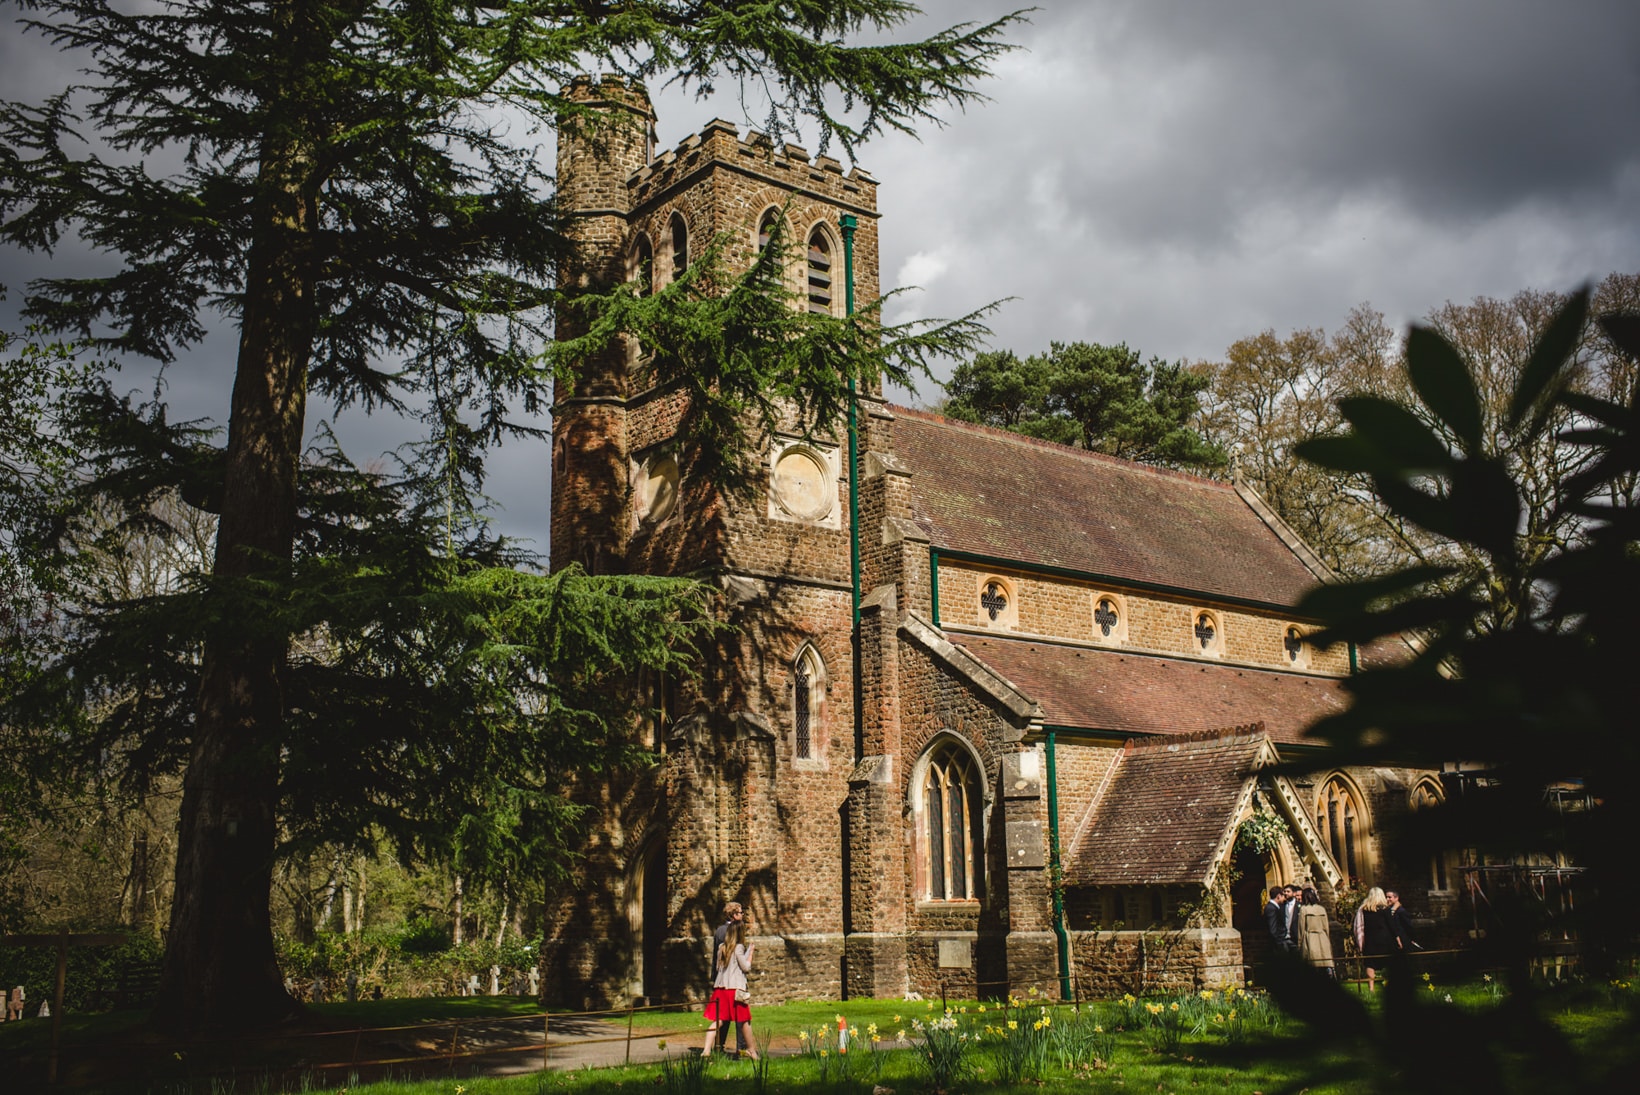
(1403, 924)
(1275, 919)
(1290, 909)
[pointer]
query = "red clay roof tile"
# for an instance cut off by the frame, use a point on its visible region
(1004, 495)
(1163, 814)
(1140, 694)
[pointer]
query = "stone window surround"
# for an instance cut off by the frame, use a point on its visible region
(1426, 793)
(1118, 632)
(1007, 617)
(1302, 659)
(834, 246)
(641, 251)
(677, 230)
(1215, 647)
(818, 709)
(657, 458)
(1352, 805)
(979, 798)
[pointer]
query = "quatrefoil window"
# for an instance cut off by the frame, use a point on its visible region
(1206, 632)
(994, 599)
(1293, 641)
(1105, 615)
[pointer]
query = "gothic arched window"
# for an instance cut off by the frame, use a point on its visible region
(1343, 824)
(1426, 796)
(680, 246)
(640, 265)
(808, 703)
(951, 829)
(819, 283)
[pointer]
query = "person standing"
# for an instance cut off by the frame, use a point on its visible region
(1375, 934)
(1291, 910)
(730, 1000)
(1403, 924)
(1275, 919)
(1314, 932)
(733, 914)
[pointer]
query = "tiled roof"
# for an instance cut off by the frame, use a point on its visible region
(1140, 694)
(1000, 494)
(1163, 813)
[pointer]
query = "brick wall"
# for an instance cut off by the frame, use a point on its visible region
(1062, 608)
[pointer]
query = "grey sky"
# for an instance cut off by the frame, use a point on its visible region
(1178, 175)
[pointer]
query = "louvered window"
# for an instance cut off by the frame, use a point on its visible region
(819, 273)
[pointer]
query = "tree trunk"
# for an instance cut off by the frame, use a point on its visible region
(456, 935)
(220, 972)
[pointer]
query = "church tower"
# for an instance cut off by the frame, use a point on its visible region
(748, 798)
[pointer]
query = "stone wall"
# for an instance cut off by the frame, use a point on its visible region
(1105, 965)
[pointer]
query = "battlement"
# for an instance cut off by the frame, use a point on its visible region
(789, 165)
(609, 88)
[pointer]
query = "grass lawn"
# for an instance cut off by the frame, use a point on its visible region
(1211, 1042)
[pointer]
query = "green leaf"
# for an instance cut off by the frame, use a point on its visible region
(1443, 382)
(1396, 432)
(1624, 331)
(1333, 602)
(1549, 357)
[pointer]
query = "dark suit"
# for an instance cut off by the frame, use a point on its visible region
(1403, 930)
(1275, 918)
(1291, 911)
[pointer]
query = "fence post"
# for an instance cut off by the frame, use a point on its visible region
(455, 1039)
(629, 1008)
(546, 1038)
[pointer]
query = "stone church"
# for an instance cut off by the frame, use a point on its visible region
(1068, 667)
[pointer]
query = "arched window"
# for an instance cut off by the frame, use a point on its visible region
(1343, 825)
(808, 703)
(1426, 796)
(680, 246)
(766, 227)
(640, 265)
(819, 284)
(951, 826)
(1208, 632)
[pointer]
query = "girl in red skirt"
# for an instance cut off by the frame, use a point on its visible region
(729, 1000)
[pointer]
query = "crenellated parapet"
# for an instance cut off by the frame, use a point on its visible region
(786, 166)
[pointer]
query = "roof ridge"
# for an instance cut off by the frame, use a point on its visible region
(1055, 446)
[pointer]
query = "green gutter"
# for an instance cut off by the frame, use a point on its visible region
(1354, 666)
(848, 223)
(1056, 875)
(1107, 579)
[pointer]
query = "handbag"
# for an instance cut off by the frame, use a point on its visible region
(743, 996)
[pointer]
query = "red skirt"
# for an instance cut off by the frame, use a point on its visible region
(723, 1007)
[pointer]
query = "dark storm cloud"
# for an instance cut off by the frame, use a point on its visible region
(1180, 175)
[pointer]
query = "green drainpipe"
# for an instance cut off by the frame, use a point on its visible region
(847, 223)
(1056, 876)
(934, 583)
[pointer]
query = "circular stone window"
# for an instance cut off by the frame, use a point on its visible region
(802, 484)
(658, 489)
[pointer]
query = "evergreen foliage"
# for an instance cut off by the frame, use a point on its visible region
(1533, 702)
(1102, 398)
(337, 179)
